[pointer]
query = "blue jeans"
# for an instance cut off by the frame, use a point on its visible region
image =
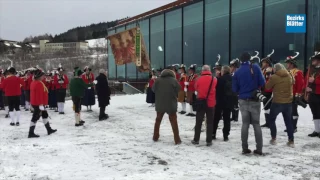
(286, 110)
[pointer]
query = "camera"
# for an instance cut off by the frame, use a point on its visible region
(259, 96)
(300, 102)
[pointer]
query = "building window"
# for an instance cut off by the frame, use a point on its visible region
(216, 31)
(313, 26)
(157, 41)
(121, 70)
(193, 34)
(131, 67)
(246, 27)
(173, 47)
(111, 62)
(144, 26)
(284, 44)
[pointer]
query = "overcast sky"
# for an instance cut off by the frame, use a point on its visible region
(22, 18)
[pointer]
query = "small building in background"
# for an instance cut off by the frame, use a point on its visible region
(50, 47)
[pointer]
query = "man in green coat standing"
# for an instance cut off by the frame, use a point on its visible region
(166, 89)
(77, 87)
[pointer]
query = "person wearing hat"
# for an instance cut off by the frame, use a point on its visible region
(190, 89)
(1, 90)
(297, 74)
(174, 69)
(47, 82)
(245, 81)
(182, 93)
(89, 95)
(11, 87)
(38, 100)
(313, 88)
(77, 87)
(61, 82)
(234, 65)
(150, 94)
(267, 71)
(52, 93)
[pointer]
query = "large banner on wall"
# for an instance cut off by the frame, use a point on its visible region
(128, 47)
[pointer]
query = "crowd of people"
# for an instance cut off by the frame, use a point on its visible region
(37, 92)
(242, 85)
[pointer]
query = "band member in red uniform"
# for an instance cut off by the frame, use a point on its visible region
(234, 65)
(52, 93)
(174, 68)
(182, 93)
(150, 94)
(89, 95)
(313, 89)
(292, 66)
(267, 70)
(61, 82)
(11, 86)
(191, 88)
(1, 90)
(39, 99)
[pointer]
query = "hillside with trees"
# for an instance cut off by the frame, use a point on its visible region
(80, 33)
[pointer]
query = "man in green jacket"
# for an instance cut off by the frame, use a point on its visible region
(77, 87)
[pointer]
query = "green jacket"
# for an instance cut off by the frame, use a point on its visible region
(77, 87)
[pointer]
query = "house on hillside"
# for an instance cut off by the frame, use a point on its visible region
(9, 46)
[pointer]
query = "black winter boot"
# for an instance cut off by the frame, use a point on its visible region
(31, 132)
(49, 129)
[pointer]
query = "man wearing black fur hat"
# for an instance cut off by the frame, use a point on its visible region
(191, 96)
(38, 100)
(61, 82)
(292, 66)
(11, 86)
(267, 70)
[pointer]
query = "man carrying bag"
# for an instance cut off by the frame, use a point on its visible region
(205, 87)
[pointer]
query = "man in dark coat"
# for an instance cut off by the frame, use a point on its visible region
(166, 89)
(103, 92)
(226, 100)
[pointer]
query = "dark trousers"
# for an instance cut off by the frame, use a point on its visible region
(37, 113)
(1, 99)
(267, 107)
(102, 111)
(295, 115)
(235, 112)
(219, 113)
(61, 95)
(286, 110)
(199, 119)
(314, 104)
(76, 103)
(14, 103)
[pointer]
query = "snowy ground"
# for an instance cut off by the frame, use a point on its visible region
(122, 148)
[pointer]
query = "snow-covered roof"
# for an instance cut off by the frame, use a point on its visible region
(16, 45)
(100, 43)
(7, 44)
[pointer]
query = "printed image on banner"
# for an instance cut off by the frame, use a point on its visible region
(126, 49)
(296, 23)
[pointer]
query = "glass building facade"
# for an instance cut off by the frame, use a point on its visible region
(196, 32)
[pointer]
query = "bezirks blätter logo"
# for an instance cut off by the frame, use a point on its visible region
(296, 23)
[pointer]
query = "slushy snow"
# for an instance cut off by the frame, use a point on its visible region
(122, 148)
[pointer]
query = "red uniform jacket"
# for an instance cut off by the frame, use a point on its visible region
(191, 82)
(88, 78)
(22, 83)
(47, 83)
(62, 85)
(152, 80)
(38, 93)
(28, 81)
(52, 87)
(2, 78)
(316, 83)
(177, 76)
(202, 87)
(299, 81)
(11, 86)
(182, 80)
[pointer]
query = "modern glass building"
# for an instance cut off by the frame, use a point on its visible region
(196, 31)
